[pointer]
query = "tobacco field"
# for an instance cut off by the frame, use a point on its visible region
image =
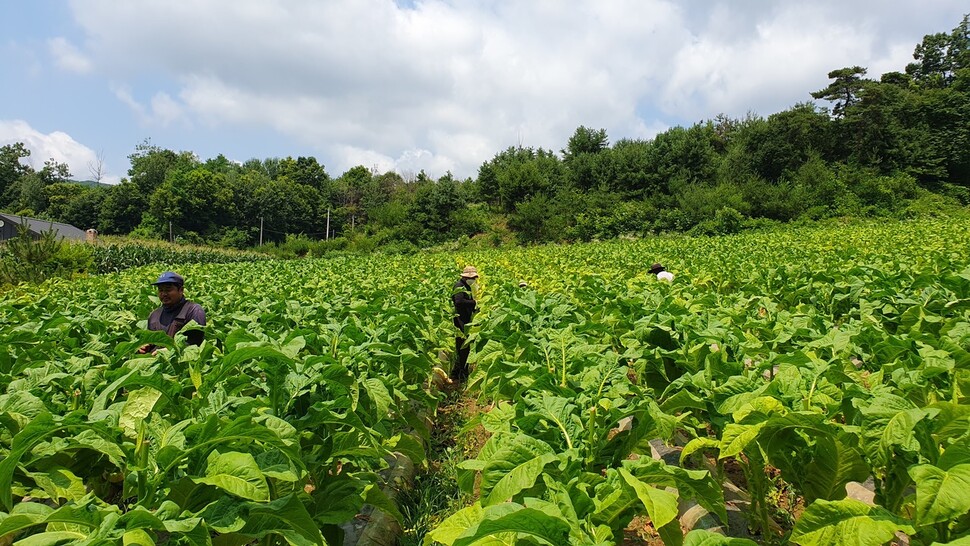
(776, 371)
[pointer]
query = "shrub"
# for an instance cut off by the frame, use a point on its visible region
(933, 205)
(295, 245)
(25, 259)
(235, 238)
(359, 242)
(728, 220)
(328, 246)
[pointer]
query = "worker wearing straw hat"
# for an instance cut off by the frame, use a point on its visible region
(463, 296)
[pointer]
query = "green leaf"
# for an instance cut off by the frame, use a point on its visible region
(955, 454)
(737, 437)
(941, 495)
(703, 537)
(138, 407)
(24, 515)
(409, 446)
(236, 473)
(683, 399)
(374, 496)
(846, 522)
(233, 359)
(514, 518)
(698, 444)
(338, 499)
(498, 418)
(378, 392)
(226, 515)
(690, 484)
(514, 467)
(286, 517)
(137, 537)
(671, 533)
(518, 478)
(661, 506)
(37, 429)
(759, 408)
(834, 464)
(29, 514)
(456, 524)
(60, 483)
(899, 429)
(52, 538)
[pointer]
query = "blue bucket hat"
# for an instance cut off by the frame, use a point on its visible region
(170, 277)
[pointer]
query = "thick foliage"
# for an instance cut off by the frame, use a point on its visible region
(828, 355)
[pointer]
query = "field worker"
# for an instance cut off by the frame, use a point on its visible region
(175, 312)
(661, 273)
(463, 296)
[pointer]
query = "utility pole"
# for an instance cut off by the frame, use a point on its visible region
(327, 236)
(260, 231)
(170, 238)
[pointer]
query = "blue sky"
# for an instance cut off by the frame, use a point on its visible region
(411, 85)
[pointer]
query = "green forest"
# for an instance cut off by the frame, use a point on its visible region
(895, 146)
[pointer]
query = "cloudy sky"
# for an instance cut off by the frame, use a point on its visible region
(439, 85)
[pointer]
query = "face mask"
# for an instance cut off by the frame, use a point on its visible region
(472, 283)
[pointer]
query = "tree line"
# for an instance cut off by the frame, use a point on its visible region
(898, 146)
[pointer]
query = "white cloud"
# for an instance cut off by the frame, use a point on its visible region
(56, 145)
(446, 84)
(163, 110)
(68, 57)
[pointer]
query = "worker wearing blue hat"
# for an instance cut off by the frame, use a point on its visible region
(175, 312)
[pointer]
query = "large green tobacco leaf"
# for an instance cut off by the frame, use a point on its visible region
(702, 537)
(690, 484)
(131, 379)
(22, 405)
(59, 483)
(556, 413)
(376, 497)
(338, 498)
(661, 506)
(24, 515)
(39, 428)
(456, 524)
(890, 423)
(951, 423)
(286, 517)
(54, 538)
(84, 514)
(236, 473)
(137, 407)
(515, 518)
(571, 504)
(955, 454)
(899, 429)
(137, 537)
(833, 465)
(379, 395)
(846, 522)
(941, 494)
(615, 502)
(513, 468)
(737, 437)
(214, 431)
